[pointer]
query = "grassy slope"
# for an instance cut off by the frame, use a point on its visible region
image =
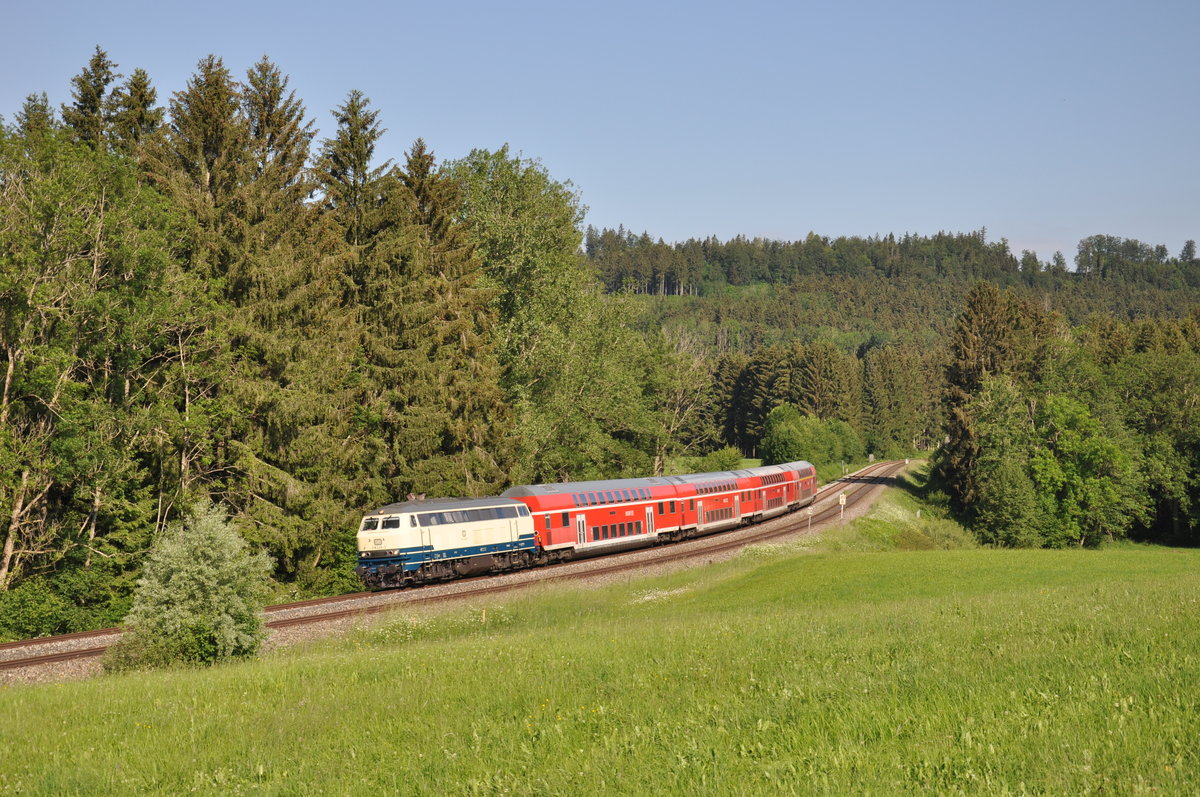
(787, 670)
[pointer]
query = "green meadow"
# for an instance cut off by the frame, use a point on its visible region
(849, 666)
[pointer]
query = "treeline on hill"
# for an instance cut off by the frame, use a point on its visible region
(203, 300)
(641, 264)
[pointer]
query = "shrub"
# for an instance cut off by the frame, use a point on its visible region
(199, 597)
(33, 609)
(723, 459)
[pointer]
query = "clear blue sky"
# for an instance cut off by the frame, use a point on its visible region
(1044, 121)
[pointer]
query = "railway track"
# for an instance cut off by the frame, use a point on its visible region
(857, 487)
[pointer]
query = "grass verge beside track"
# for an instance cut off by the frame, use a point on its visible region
(784, 671)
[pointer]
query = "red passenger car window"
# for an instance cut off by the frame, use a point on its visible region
(565, 520)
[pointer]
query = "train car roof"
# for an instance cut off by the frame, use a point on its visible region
(440, 504)
(525, 490)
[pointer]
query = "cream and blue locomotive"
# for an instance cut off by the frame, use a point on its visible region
(415, 542)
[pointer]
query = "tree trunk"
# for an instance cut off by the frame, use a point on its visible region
(10, 538)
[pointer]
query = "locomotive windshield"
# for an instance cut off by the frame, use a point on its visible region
(370, 524)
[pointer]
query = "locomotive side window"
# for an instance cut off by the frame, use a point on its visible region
(370, 524)
(660, 507)
(547, 522)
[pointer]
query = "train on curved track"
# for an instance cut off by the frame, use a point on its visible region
(419, 541)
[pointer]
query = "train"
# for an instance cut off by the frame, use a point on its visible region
(420, 541)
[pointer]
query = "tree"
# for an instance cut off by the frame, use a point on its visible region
(199, 598)
(134, 116)
(89, 115)
(35, 117)
(345, 172)
(201, 163)
(1007, 511)
(995, 334)
(575, 375)
(1088, 479)
(433, 400)
(85, 255)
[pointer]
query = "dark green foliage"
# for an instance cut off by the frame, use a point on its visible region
(35, 117)
(88, 116)
(134, 116)
(345, 172)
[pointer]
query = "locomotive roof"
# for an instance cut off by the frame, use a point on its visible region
(440, 504)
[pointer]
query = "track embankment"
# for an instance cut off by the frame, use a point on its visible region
(78, 655)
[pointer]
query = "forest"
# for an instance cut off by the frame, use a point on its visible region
(200, 299)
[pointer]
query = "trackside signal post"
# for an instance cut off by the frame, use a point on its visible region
(842, 507)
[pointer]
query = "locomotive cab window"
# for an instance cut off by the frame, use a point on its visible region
(370, 524)
(391, 523)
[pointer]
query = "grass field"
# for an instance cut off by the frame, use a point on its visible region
(788, 670)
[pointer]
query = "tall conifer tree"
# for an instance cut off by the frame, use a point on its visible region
(134, 114)
(89, 114)
(435, 374)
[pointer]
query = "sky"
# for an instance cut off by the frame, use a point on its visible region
(1043, 122)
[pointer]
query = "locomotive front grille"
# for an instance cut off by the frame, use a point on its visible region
(377, 554)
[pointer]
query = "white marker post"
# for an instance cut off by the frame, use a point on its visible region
(810, 514)
(842, 508)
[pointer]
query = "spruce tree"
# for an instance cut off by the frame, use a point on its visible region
(134, 116)
(35, 117)
(88, 115)
(201, 162)
(344, 170)
(434, 386)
